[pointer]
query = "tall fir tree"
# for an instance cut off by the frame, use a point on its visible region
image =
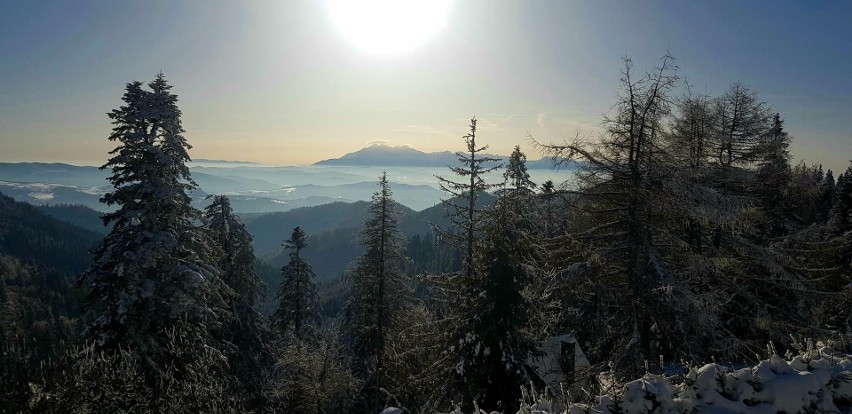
(773, 177)
(155, 271)
(465, 214)
(841, 212)
(825, 196)
(549, 200)
(840, 225)
(380, 294)
(298, 312)
(494, 316)
(247, 329)
(486, 348)
(516, 204)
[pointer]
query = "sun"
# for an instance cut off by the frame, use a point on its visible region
(388, 27)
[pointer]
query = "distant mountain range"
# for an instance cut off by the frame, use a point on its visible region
(383, 155)
(52, 173)
(251, 189)
(257, 188)
(206, 161)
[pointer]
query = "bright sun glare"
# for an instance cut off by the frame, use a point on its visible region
(388, 27)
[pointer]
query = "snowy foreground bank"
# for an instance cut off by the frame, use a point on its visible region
(816, 382)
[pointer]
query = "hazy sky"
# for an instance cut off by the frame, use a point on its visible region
(283, 82)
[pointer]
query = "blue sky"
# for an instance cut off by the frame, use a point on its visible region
(278, 82)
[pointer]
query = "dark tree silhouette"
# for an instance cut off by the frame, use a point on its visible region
(298, 312)
(380, 294)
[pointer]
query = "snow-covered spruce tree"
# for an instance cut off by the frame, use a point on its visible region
(379, 297)
(517, 233)
(298, 312)
(155, 271)
(247, 329)
(691, 147)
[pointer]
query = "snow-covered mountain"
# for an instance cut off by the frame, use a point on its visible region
(383, 155)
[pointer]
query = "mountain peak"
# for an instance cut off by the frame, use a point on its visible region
(380, 154)
(383, 155)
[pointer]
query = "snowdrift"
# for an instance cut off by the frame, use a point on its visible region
(816, 382)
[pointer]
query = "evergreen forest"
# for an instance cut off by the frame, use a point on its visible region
(685, 236)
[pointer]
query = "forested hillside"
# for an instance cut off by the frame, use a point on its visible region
(77, 215)
(41, 314)
(334, 242)
(39, 239)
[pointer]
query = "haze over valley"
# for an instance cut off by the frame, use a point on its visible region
(258, 188)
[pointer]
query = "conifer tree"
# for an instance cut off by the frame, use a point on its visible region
(486, 312)
(516, 175)
(549, 200)
(841, 213)
(841, 223)
(247, 329)
(154, 272)
(380, 294)
(841, 226)
(298, 312)
(466, 216)
(515, 206)
(825, 201)
(495, 315)
(773, 177)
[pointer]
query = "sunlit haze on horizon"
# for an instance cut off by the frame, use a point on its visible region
(296, 82)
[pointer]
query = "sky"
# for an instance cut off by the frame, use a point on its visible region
(294, 82)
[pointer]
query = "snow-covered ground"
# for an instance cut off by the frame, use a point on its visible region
(819, 381)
